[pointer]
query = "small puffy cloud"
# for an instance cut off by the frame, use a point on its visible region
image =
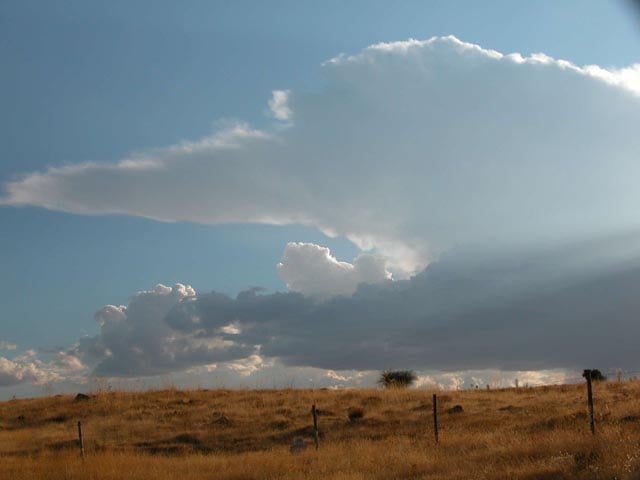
(480, 379)
(409, 148)
(28, 367)
(4, 345)
(68, 363)
(15, 372)
(279, 105)
(348, 378)
(311, 270)
(248, 366)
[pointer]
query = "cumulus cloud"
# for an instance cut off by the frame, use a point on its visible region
(28, 367)
(249, 365)
(475, 379)
(136, 340)
(410, 148)
(15, 372)
(279, 105)
(311, 270)
(4, 345)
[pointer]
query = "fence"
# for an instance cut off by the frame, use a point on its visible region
(316, 427)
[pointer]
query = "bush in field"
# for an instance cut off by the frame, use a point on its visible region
(596, 375)
(397, 378)
(355, 413)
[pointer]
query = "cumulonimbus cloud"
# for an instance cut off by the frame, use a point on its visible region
(433, 152)
(411, 147)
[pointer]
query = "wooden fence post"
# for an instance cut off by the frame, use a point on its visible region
(316, 434)
(587, 375)
(80, 440)
(435, 417)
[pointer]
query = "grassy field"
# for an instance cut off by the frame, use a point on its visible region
(527, 433)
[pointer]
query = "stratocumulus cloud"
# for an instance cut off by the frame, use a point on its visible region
(410, 148)
(558, 308)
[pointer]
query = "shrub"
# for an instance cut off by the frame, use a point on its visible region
(355, 413)
(397, 378)
(596, 375)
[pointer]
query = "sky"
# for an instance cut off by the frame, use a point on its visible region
(299, 193)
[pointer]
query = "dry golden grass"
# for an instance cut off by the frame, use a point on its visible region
(530, 433)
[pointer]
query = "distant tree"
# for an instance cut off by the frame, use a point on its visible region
(596, 375)
(397, 378)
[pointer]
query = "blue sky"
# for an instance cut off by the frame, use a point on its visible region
(95, 81)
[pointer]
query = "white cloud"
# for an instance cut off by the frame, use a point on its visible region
(311, 270)
(231, 329)
(480, 379)
(28, 367)
(410, 148)
(15, 372)
(279, 105)
(4, 345)
(248, 366)
(348, 377)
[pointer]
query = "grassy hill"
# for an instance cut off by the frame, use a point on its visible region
(526, 433)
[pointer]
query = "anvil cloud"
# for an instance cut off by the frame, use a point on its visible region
(408, 149)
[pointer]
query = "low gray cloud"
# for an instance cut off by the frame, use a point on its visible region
(566, 307)
(473, 317)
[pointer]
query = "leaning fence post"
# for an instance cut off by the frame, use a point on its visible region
(587, 375)
(80, 439)
(435, 417)
(316, 435)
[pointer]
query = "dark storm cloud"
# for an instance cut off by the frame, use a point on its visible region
(562, 307)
